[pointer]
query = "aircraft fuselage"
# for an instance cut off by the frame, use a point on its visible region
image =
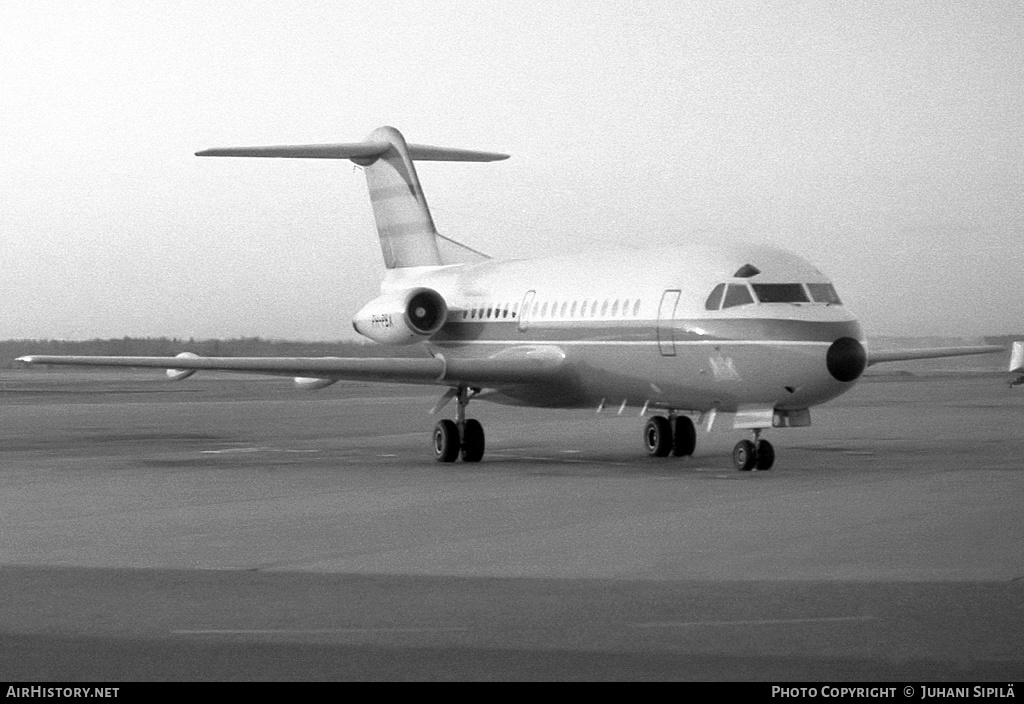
(636, 328)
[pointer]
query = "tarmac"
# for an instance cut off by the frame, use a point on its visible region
(231, 528)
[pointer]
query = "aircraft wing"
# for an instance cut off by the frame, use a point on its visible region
(1017, 364)
(930, 353)
(523, 365)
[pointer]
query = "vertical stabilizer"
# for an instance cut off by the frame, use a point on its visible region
(406, 230)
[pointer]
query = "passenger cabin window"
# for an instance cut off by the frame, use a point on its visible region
(737, 295)
(780, 293)
(714, 301)
(824, 293)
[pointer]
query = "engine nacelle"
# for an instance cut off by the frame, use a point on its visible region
(402, 318)
(179, 374)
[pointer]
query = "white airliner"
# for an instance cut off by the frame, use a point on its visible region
(681, 333)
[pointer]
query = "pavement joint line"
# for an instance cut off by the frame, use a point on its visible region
(763, 622)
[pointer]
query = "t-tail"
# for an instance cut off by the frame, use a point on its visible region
(408, 237)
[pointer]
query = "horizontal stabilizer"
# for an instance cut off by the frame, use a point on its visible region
(423, 152)
(360, 152)
(355, 150)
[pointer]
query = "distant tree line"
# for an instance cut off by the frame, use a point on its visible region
(168, 347)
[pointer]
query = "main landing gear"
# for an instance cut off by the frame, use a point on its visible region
(461, 436)
(758, 454)
(674, 436)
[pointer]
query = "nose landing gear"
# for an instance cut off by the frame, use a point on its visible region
(759, 454)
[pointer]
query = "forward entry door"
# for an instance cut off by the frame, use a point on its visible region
(525, 312)
(666, 314)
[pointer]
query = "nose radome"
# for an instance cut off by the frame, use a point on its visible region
(846, 359)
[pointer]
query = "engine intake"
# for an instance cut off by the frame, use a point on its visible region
(402, 318)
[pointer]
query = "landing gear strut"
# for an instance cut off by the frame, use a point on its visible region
(674, 435)
(461, 436)
(759, 454)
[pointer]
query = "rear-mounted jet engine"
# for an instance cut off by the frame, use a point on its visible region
(402, 318)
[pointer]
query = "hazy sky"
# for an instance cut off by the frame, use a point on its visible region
(884, 141)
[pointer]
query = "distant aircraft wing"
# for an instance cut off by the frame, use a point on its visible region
(930, 353)
(522, 365)
(1017, 364)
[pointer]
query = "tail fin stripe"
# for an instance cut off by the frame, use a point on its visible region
(388, 192)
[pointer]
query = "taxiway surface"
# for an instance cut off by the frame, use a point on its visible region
(233, 528)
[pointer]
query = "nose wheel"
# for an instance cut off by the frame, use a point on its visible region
(759, 454)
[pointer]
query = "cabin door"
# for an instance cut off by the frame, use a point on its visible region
(666, 313)
(525, 310)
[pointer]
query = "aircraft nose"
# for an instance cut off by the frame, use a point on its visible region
(846, 359)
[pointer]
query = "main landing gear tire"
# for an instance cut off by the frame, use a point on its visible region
(472, 441)
(446, 441)
(765, 455)
(747, 456)
(463, 436)
(684, 437)
(744, 455)
(663, 436)
(448, 444)
(658, 436)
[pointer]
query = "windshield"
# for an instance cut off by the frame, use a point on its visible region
(780, 293)
(714, 301)
(731, 295)
(737, 295)
(823, 293)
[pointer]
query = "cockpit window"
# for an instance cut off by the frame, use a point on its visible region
(780, 293)
(737, 295)
(714, 301)
(824, 293)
